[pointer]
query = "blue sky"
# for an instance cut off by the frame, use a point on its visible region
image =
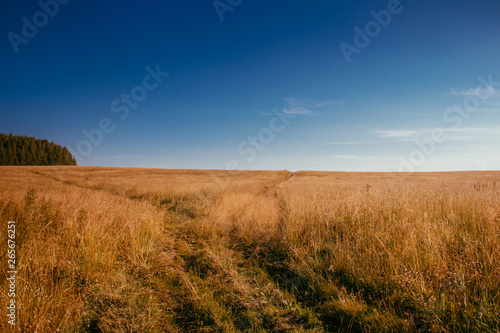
(330, 85)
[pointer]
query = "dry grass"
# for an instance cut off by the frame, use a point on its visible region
(138, 250)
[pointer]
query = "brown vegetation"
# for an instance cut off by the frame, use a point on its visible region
(143, 250)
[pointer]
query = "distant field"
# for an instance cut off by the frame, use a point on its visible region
(149, 250)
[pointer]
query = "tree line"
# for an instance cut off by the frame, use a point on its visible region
(24, 150)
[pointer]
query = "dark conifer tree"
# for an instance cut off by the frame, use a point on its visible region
(23, 150)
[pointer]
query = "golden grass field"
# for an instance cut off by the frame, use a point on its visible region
(148, 250)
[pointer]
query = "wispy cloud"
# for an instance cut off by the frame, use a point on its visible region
(486, 96)
(454, 134)
(481, 107)
(356, 157)
(487, 91)
(350, 157)
(367, 142)
(410, 135)
(420, 114)
(306, 106)
(396, 133)
(125, 156)
(497, 103)
(318, 104)
(488, 110)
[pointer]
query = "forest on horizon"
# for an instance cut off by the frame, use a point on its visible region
(24, 150)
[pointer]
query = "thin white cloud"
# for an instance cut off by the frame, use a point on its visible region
(124, 156)
(488, 91)
(349, 157)
(367, 142)
(355, 157)
(496, 103)
(488, 110)
(346, 157)
(452, 134)
(480, 109)
(488, 130)
(478, 165)
(396, 133)
(297, 110)
(331, 102)
(486, 96)
(306, 106)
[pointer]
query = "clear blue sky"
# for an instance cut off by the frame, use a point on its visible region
(257, 84)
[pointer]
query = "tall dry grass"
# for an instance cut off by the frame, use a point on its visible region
(138, 250)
